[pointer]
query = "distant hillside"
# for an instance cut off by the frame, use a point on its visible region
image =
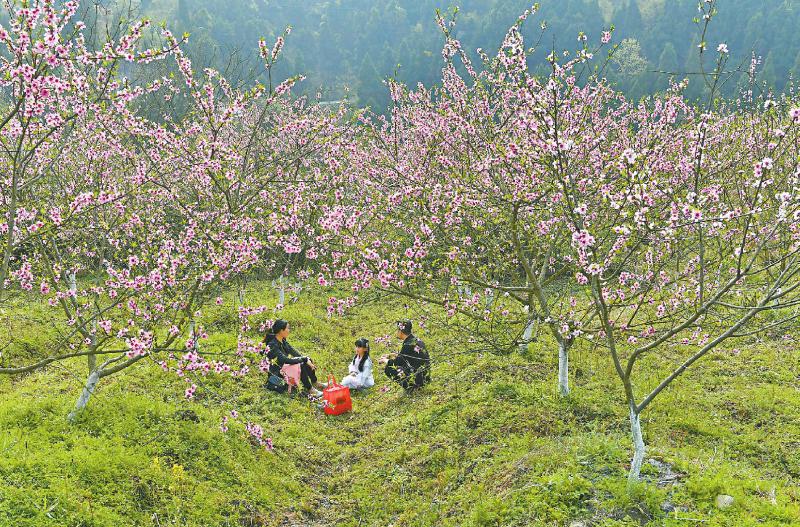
(356, 43)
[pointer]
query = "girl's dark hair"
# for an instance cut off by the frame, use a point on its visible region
(362, 343)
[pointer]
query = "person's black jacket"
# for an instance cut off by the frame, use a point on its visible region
(280, 353)
(413, 360)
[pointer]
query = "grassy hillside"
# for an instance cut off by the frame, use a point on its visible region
(488, 443)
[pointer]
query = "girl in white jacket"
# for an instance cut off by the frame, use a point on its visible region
(360, 375)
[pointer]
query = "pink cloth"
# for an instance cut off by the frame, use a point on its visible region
(291, 372)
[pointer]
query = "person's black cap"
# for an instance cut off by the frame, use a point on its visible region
(404, 326)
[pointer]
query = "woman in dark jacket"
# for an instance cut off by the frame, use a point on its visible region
(280, 352)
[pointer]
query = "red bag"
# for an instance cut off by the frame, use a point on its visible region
(337, 398)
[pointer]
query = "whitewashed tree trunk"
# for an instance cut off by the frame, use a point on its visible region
(490, 298)
(86, 393)
(280, 285)
(297, 288)
(526, 336)
(563, 369)
(91, 359)
(94, 373)
(638, 445)
(463, 289)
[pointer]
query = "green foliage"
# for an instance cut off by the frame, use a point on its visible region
(359, 43)
(628, 58)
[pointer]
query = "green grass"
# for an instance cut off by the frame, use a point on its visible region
(488, 443)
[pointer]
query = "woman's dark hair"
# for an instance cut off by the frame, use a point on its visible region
(404, 326)
(362, 343)
(278, 326)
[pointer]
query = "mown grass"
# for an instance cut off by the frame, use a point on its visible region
(488, 443)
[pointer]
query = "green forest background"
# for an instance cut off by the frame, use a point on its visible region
(346, 48)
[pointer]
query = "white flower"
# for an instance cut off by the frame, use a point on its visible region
(722, 48)
(595, 269)
(629, 156)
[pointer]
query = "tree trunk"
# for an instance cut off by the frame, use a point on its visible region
(463, 288)
(193, 335)
(87, 392)
(526, 336)
(563, 368)
(91, 362)
(281, 286)
(638, 445)
(297, 288)
(94, 372)
(11, 224)
(489, 299)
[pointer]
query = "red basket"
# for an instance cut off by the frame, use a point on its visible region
(337, 398)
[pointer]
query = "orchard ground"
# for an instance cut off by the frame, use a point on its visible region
(490, 442)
